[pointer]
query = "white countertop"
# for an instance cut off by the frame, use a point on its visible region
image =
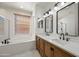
(71, 46)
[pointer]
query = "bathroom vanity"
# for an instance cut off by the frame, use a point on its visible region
(47, 49)
(64, 43)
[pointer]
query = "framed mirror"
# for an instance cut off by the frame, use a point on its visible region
(68, 20)
(49, 24)
(40, 24)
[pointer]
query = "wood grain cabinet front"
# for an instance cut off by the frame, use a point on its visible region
(62, 53)
(46, 49)
(49, 50)
(42, 47)
(37, 43)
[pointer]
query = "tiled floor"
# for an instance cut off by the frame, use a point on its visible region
(33, 53)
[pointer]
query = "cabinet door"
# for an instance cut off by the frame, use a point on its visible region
(37, 43)
(61, 53)
(49, 50)
(41, 47)
(57, 53)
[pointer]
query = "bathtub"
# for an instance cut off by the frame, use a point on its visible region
(7, 50)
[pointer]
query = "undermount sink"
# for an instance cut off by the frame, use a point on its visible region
(70, 45)
(73, 46)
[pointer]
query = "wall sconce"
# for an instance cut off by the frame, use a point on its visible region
(51, 12)
(62, 3)
(57, 4)
(76, 2)
(55, 8)
(47, 12)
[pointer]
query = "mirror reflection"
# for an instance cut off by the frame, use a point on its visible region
(49, 24)
(67, 18)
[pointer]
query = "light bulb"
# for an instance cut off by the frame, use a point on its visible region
(62, 3)
(55, 8)
(50, 12)
(76, 2)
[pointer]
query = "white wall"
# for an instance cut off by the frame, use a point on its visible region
(39, 13)
(9, 14)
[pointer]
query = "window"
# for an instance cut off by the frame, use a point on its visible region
(1, 25)
(22, 24)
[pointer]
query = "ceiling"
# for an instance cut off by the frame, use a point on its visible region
(44, 4)
(29, 6)
(19, 5)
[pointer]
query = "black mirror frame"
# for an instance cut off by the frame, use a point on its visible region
(51, 24)
(57, 19)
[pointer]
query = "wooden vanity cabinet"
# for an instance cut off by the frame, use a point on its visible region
(58, 52)
(40, 45)
(49, 50)
(37, 43)
(53, 51)
(46, 49)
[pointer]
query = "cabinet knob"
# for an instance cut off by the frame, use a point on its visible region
(51, 49)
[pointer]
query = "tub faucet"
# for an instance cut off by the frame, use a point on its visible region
(6, 41)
